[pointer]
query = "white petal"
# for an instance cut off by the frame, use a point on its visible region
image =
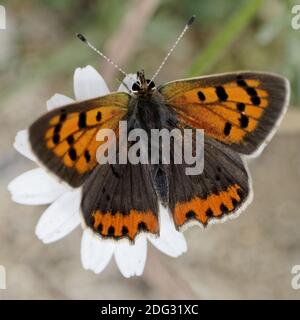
(95, 253)
(22, 145)
(129, 80)
(59, 219)
(131, 258)
(170, 241)
(58, 100)
(88, 83)
(35, 187)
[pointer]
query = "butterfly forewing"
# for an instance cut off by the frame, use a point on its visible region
(64, 139)
(239, 109)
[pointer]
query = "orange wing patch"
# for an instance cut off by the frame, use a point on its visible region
(214, 206)
(119, 225)
(73, 138)
(227, 112)
(65, 139)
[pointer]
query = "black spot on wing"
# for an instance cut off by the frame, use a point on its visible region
(244, 121)
(98, 116)
(100, 227)
(255, 101)
(111, 231)
(241, 106)
(70, 139)
(209, 213)
(72, 154)
(223, 208)
(234, 202)
(227, 128)
(190, 214)
(241, 83)
(251, 91)
(56, 138)
(57, 128)
(87, 156)
(124, 230)
(221, 93)
(82, 120)
(201, 96)
(63, 117)
(142, 226)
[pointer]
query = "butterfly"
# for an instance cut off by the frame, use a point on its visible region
(239, 113)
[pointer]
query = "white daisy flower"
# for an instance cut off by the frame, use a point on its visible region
(38, 186)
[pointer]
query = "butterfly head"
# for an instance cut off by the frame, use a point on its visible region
(142, 85)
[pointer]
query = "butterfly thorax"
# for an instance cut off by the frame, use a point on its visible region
(149, 111)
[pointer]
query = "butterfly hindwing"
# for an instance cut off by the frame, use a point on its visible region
(219, 191)
(239, 109)
(64, 139)
(119, 201)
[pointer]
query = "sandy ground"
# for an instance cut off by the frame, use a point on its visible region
(250, 257)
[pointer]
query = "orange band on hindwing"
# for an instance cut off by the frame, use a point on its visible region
(124, 225)
(214, 206)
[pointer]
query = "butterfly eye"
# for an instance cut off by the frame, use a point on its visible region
(150, 84)
(136, 87)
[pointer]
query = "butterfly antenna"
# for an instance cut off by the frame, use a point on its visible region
(124, 84)
(186, 27)
(85, 41)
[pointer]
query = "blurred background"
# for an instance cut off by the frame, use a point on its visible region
(250, 257)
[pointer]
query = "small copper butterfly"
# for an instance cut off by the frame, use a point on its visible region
(238, 111)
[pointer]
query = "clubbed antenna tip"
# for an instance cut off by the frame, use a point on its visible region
(85, 40)
(191, 20)
(81, 37)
